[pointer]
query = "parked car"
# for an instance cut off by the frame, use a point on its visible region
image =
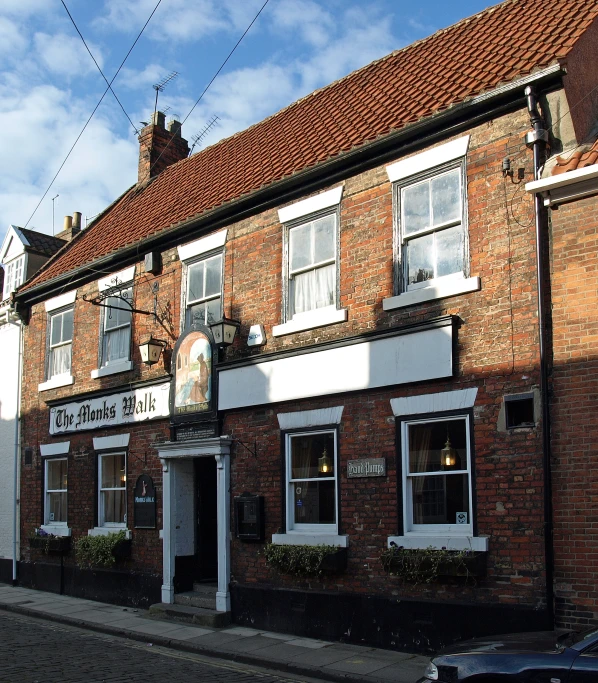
(541, 657)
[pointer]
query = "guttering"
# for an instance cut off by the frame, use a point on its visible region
(418, 135)
(537, 140)
(566, 187)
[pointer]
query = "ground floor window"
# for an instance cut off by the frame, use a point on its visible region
(55, 491)
(311, 473)
(112, 478)
(436, 486)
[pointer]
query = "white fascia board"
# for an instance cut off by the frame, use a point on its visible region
(123, 277)
(455, 149)
(60, 301)
(104, 443)
(202, 246)
(566, 186)
(325, 200)
(48, 449)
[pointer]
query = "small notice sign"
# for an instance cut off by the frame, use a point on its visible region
(144, 503)
(369, 467)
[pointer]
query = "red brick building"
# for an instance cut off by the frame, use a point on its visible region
(388, 383)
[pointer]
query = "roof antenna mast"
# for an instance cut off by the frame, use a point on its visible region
(159, 87)
(197, 138)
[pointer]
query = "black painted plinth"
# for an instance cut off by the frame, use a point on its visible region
(394, 624)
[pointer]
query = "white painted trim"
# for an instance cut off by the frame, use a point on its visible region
(297, 538)
(223, 531)
(441, 290)
(311, 319)
(104, 443)
(47, 450)
(455, 149)
(423, 541)
(202, 246)
(55, 382)
(563, 179)
(107, 530)
(310, 418)
(434, 403)
(113, 369)
(219, 445)
(60, 301)
(56, 529)
(310, 205)
(124, 276)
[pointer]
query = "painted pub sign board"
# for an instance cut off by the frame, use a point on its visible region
(124, 407)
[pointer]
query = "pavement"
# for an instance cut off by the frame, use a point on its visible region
(278, 651)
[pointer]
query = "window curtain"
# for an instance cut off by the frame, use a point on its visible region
(60, 362)
(116, 344)
(313, 289)
(419, 445)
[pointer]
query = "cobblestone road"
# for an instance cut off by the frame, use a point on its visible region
(34, 651)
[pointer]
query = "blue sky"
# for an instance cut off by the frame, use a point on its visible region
(49, 84)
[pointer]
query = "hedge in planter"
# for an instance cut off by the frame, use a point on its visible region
(101, 551)
(306, 560)
(426, 565)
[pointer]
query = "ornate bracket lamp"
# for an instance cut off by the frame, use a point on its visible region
(151, 349)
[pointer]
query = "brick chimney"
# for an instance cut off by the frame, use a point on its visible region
(154, 154)
(72, 226)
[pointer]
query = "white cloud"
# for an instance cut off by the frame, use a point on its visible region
(24, 8)
(12, 42)
(315, 26)
(66, 55)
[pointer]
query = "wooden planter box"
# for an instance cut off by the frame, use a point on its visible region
(57, 544)
(122, 550)
(334, 563)
(472, 564)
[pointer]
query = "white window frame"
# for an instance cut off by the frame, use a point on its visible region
(14, 273)
(106, 312)
(47, 491)
(102, 524)
(51, 317)
(187, 302)
(292, 527)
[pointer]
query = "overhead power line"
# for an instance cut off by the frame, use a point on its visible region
(92, 113)
(97, 65)
(205, 90)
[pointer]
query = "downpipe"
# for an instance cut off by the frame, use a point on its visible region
(537, 140)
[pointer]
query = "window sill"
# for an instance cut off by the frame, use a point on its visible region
(56, 529)
(310, 539)
(441, 290)
(55, 382)
(106, 530)
(308, 321)
(421, 541)
(113, 369)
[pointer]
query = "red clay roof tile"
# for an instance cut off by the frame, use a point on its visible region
(578, 159)
(457, 63)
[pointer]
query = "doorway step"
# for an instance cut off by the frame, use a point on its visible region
(195, 607)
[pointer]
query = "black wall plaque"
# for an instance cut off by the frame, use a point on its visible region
(202, 430)
(249, 517)
(144, 503)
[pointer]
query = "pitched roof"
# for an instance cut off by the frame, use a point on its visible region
(578, 159)
(46, 245)
(475, 55)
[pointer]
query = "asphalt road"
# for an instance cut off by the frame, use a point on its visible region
(35, 651)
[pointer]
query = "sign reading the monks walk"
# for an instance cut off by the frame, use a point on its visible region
(144, 503)
(370, 467)
(147, 403)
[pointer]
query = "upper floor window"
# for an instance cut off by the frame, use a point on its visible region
(312, 272)
(13, 276)
(431, 225)
(60, 343)
(204, 291)
(116, 329)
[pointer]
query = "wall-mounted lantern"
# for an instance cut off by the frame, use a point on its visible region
(151, 349)
(224, 331)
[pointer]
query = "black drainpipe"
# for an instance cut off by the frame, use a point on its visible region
(537, 140)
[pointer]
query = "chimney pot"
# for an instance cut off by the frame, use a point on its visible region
(174, 127)
(158, 119)
(72, 225)
(68, 223)
(159, 148)
(77, 220)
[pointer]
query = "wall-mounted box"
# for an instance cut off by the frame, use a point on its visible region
(249, 517)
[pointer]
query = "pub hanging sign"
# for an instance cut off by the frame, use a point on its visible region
(144, 503)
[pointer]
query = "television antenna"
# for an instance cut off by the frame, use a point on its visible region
(159, 87)
(198, 137)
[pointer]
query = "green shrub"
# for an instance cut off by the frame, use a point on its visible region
(298, 560)
(97, 551)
